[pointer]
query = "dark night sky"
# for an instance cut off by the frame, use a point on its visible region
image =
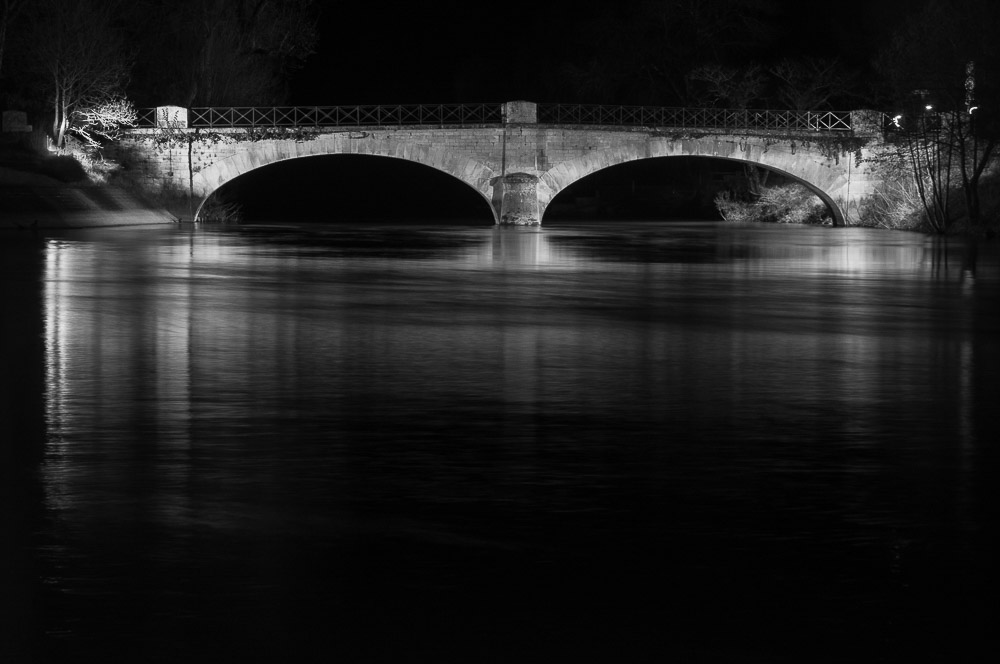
(449, 51)
(422, 55)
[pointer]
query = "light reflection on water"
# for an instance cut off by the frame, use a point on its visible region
(321, 433)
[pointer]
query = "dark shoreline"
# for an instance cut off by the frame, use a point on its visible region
(42, 190)
(32, 200)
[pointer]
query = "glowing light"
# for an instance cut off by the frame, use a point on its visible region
(895, 121)
(972, 108)
(970, 85)
(928, 107)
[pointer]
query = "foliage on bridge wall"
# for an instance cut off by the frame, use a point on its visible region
(256, 134)
(894, 203)
(831, 145)
(169, 138)
(835, 146)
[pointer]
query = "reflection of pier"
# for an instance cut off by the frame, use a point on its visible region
(526, 247)
(520, 246)
(534, 246)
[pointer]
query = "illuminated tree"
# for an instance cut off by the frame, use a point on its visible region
(940, 71)
(103, 120)
(79, 53)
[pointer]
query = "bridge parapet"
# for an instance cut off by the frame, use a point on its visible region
(696, 118)
(395, 115)
(517, 112)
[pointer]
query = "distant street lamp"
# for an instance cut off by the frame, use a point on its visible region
(970, 86)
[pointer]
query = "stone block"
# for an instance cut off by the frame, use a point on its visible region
(517, 112)
(15, 121)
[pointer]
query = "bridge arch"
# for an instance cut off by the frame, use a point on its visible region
(828, 202)
(463, 168)
(517, 156)
(827, 180)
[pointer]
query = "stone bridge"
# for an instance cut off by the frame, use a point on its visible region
(518, 156)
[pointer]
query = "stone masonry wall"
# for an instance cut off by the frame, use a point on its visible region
(554, 157)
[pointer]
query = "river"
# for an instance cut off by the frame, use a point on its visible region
(606, 442)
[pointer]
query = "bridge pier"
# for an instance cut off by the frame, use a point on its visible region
(515, 200)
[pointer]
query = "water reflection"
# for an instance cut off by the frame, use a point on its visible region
(496, 429)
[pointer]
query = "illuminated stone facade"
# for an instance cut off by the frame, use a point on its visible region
(518, 168)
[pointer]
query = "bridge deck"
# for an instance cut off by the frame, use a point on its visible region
(493, 114)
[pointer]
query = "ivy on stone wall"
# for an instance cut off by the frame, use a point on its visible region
(680, 135)
(832, 146)
(167, 137)
(297, 134)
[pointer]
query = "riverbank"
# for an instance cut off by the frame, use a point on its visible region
(47, 191)
(796, 204)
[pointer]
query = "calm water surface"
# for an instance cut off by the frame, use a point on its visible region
(619, 442)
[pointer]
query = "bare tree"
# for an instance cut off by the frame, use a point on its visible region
(81, 55)
(810, 84)
(941, 67)
(222, 52)
(103, 121)
(592, 81)
(929, 155)
(670, 39)
(646, 50)
(730, 86)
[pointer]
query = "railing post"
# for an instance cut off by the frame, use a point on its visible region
(171, 116)
(521, 112)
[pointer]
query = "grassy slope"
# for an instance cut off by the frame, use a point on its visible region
(48, 191)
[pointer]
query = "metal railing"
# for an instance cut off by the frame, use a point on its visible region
(492, 114)
(145, 117)
(336, 116)
(694, 118)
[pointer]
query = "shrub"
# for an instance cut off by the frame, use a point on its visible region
(63, 168)
(792, 204)
(734, 209)
(785, 204)
(895, 205)
(219, 212)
